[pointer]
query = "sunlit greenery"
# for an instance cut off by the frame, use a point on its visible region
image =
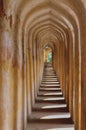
(50, 57)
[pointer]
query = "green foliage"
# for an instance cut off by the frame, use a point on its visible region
(50, 57)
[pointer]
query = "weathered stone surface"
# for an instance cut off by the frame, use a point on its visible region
(26, 27)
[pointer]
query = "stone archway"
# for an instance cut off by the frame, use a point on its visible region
(25, 26)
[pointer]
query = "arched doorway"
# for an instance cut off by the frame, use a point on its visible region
(48, 54)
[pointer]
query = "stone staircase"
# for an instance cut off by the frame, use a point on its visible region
(50, 110)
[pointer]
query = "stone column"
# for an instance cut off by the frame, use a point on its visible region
(8, 77)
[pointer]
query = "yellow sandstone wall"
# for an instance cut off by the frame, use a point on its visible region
(26, 27)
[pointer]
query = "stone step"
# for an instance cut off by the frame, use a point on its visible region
(47, 106)
(51, 82)
(49, 93)
(40, 90)
(64, 121)
(50, 85)
(49, 126)
(49, 74)
(49, 78)
(49, 115)
(65, 109)
(44, 88)
(50, 101)
(49, 71)
(48, 98)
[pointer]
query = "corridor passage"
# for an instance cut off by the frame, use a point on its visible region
(50, 110)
